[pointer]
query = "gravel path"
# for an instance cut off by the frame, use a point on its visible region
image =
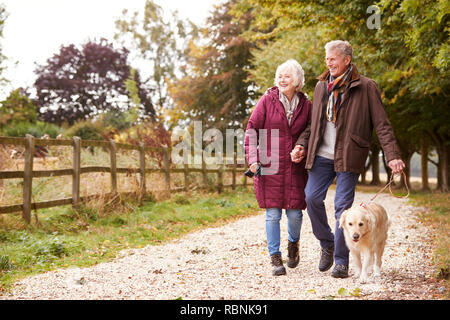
(232, 262)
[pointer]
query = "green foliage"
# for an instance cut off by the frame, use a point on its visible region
(160, 44)
(37, 129)
(216, 89)
(407, 56)
(52, 247)
(305, 46)
(86, 130)
(113, 121)
(17, 107)
(3, 17)
(5, 263)
(132, 114)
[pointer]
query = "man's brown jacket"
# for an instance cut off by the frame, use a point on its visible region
(360, 111)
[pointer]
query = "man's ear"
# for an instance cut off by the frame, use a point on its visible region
(348, 60)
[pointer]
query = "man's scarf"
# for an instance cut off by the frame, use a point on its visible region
(335, 90)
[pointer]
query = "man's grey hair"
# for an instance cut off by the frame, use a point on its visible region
(343, 47)
(296, 71)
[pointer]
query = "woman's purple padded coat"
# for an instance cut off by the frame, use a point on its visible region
(285, 187)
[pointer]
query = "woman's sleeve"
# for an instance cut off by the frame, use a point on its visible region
(256, 122)
(303, 139)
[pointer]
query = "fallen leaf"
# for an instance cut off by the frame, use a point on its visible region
(343, 292)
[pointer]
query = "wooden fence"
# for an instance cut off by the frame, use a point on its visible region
(28, 173)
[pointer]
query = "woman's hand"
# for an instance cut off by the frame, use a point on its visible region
(254, 167)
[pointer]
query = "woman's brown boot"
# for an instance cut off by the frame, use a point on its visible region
(293, 255)
(279, 269)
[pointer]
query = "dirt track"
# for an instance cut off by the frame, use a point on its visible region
(231, 262)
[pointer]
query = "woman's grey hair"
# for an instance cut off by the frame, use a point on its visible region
(343, 47)
(295, 69)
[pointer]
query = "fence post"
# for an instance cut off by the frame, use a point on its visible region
(220, 178)
(166, 168)
(186, 177)
(233, 185)
(204, 175)
(76, 171)
(142, 169)
(112, 152)
(28, 177)
(245, 177)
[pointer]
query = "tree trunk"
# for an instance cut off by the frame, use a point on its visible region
(375, 163)
(424, 164)
(443, 165)
(443, 162)
(447, 148)
(407, 170)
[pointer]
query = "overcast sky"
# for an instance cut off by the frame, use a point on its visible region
(35, 29)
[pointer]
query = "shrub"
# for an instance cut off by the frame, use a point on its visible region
(18, 107)
(5, 264)
(38, 129)
(152, 134)
(86, 130)
(53, 247)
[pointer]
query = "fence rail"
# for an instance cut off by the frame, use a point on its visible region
(29, 142)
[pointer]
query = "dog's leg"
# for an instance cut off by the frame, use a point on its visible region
(356, 256)
(366, 263)
(377, 265)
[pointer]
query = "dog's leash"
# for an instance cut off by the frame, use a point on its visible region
(388, 185)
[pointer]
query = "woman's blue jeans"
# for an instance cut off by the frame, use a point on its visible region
(273, 217)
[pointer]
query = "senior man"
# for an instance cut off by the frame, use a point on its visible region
(346, 108)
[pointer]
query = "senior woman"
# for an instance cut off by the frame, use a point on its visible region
(283, 113)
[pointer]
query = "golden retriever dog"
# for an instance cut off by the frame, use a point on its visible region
(365, 230)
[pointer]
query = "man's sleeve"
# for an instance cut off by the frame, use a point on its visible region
(381, 123)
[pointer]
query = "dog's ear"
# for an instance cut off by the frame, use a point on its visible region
(371, 221)
(342, 219)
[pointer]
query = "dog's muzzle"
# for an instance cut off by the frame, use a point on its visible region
(356, 237)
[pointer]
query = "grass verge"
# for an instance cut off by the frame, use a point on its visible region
(437, 217)
(63, 237)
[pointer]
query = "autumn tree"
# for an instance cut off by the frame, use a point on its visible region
(215, 89)
(407, 56)
(157, 43)
(76, 84)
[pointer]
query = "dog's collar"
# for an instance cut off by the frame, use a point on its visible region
(363, 205)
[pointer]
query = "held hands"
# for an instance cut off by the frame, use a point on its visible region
(254, 167)
(396, 165)
(298, 154)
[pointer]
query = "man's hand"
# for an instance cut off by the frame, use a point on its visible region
(298, 154)
(396, 165)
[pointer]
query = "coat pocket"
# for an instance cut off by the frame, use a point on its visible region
(362, 143)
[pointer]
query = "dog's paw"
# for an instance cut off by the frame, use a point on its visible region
(363, 279)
